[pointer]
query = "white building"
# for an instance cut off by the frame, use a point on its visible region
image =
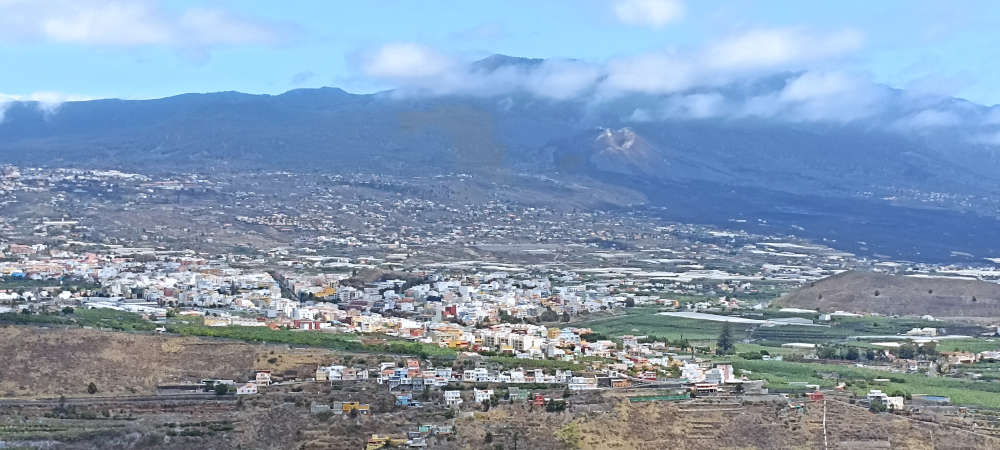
(453, 398)
(481, 395)
(247, 389)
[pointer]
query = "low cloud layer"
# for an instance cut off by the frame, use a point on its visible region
(421, 70)
(790, 75)
(46, 102)
(418, 69)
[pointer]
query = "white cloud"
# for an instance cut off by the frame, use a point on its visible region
(832, 96)
(778, 47)
(46, 102)
(696, 106)
(813, 96)
(928, 119)
(738, 57)
(653, 73)
(640, 115)
(651, 13)
(128, 23)
(420, 70)
(693, 84)
(561, 79)
(812, 85)
(819, 96)
(415, 67)
(406, 60)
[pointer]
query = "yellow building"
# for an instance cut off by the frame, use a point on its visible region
(377, 442)
(355, 406)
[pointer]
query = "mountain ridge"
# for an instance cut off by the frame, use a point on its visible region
(825, 177)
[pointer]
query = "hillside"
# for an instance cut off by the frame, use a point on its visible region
(868, 292)
(862, 186)
(614, 423)
(126, 365)
(129, 363)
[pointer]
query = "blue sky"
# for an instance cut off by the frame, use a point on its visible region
(68, 49)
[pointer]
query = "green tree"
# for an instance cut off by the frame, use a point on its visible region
(827, 352)
(556, 406)
(907, 351)
(221, 389)
(725, 342)
(852, 354)
(91, 388)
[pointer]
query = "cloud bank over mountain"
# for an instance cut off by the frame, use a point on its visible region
(791, 75)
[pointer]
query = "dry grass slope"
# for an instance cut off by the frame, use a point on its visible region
(867, 292)
(48, 362)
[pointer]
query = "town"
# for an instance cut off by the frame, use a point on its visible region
(549, 307)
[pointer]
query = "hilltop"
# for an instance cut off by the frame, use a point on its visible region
(869, 292)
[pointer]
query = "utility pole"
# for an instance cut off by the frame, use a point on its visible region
(826, 445)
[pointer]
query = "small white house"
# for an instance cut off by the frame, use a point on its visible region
(246, 389)
(263, 377)
(892, 403)
(453, 398)
(484, 394)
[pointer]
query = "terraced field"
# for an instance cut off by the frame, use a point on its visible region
(962, 392)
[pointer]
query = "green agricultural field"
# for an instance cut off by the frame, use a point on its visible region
(649, 323)
(772, 350)
(334, 341)
(645, 321)
(969, 345)
(125, 321)
(881, 325)
(962, 392)
(95, 318)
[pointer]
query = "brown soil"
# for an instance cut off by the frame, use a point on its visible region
(48, 362)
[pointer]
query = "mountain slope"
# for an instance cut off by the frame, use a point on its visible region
(819, 180)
